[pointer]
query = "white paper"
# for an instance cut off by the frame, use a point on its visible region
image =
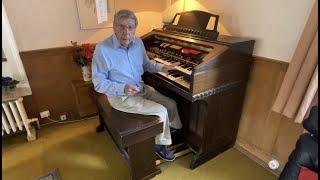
(102, 14)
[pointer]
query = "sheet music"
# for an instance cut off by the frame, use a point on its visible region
(102, 14)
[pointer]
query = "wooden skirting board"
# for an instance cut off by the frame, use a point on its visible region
(257, 155)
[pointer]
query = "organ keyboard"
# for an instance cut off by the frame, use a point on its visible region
(208, 85)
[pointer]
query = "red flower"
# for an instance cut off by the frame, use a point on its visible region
(83, 54)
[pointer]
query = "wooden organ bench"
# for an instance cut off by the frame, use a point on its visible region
(134, 137)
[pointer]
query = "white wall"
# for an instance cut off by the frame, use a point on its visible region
(6, 70)
(13, 67)
(41, 24)
(276, 25)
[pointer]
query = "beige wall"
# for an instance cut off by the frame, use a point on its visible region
(275, 25)
(41, 24)
(6, 70)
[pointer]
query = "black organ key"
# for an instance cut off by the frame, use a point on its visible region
(175, 75)
(184, 66)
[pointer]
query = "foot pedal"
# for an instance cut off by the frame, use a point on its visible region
(178, 150)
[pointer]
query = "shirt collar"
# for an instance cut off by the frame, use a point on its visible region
(116, 43)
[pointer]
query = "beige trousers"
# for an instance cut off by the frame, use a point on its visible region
(151, 102)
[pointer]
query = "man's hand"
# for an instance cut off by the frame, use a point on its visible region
(130, 89)
(166, 68)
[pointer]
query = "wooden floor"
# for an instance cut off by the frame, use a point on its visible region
(80, 153)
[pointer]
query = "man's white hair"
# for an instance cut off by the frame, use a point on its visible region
(126, 14)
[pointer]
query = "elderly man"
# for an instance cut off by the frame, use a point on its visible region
(117, 67)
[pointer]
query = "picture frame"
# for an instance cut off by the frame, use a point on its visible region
(87, 14)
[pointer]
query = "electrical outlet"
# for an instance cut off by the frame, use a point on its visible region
(45, 114)
(273, 164)
(63, 117)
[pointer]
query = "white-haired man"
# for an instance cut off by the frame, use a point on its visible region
(117, 68)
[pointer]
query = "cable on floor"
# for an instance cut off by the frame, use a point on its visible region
(62, 122)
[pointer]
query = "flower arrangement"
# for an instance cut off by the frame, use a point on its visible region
(83, 53)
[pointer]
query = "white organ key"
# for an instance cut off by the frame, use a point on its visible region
(162, 61)
(177, 67)
(169, 76)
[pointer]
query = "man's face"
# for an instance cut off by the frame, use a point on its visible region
(124, 30)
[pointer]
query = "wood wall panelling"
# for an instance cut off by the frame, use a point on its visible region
(264, 81)
(288, 133)
(50, 72)
(262, 132)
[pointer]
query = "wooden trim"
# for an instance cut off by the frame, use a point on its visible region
(260, 58)
(45, 52)
(46, 49)
(257, 155)
(67, 48)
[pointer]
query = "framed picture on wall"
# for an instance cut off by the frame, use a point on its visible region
(88, 14)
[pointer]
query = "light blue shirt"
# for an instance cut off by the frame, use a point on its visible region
(114, 66)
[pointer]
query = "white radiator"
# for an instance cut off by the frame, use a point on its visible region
(14, 118)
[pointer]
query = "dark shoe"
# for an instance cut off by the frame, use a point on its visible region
(100, 128)
(164, 153)
(172, 130)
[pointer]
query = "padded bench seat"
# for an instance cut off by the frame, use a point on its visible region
(134, 137)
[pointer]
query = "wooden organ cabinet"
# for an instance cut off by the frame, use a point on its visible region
(208, 85)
